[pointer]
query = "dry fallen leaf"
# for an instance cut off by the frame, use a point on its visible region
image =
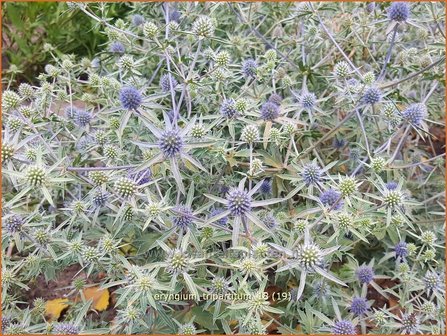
(273, 292)
(54, 308)
(100, 297)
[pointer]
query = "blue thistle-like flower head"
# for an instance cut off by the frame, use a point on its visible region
(223, 221)
(401, 250)
(370, 6)
(13, 224)
(343, 327)
(170, 143)
(372, 95)
(352, 82)
(6, 322)
(66, 329)
(415, 113)
(184, 217)
(410, 323)
(141, 177)
(329, 198)
(269, 111)
(275, 99)
(130, 98)
(165, 82)
(266, 187)
(137, 20)
(228, 108)
(270, 221)
(432, 281)
(321, 289)
(365, 274)
(117, 47)
(84, 142)
(175, 15)
(100, 199)
(338, 143)
(71, 112)
(392, 185)
(308, 100)
(249, 68)
(311, 173)
(239, 202)
(354, 154)
(83, 118)
(399, 11)
(224, 189)
(359, 306)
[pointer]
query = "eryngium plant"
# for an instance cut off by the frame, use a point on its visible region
(231, 168)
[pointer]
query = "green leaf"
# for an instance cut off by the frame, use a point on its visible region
(191, 285)
(147, 241)
(274, 310)
(204, 318)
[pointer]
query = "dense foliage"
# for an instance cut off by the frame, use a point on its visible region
(232, 168)
(35, 32)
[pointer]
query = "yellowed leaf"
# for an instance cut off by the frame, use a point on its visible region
(100, 297)
(190, 166)
(127, 249)
(54, 308)
(233, 323)
(292, 283)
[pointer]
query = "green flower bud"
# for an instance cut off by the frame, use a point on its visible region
(115, 123)
(125, 187)
(101, 137)
(223, 59)
(7, 152)
(203, 27)
(300, 226)
(241, 105)
(90, 254)
(345, 221)
(187, 329)
(250, 134)
(150, 30)
(369, 78)
(128, 214)
(378, 164)
(428, 238)
(98, 177)
(270, 55)
(26, 91)
(207, 232)
(347, 186)
(14, 123)
(342, 69)
(110, 152)
(198, 131)
(35, 176)
(393, 198)
(42, 237)
(67, 64)
(126, 62)
(27, 111)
